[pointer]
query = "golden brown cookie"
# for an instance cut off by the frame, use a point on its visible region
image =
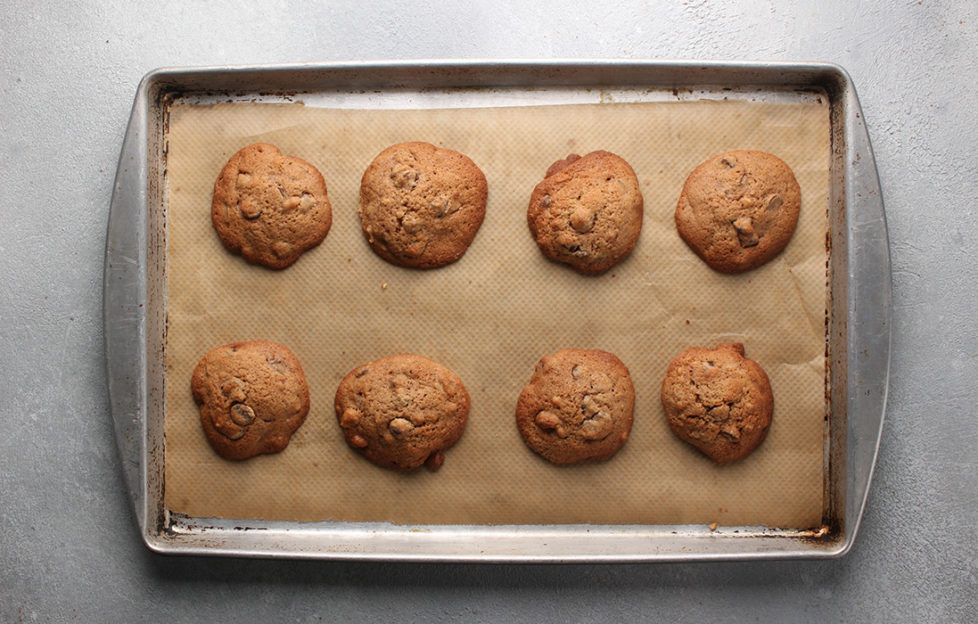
(421, 205)
(738, 210)
(587, 212)
(268, 207)
(402, 411)
(577, 407)
(718, 401)
(252, 397)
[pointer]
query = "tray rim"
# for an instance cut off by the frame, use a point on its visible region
(862, 238)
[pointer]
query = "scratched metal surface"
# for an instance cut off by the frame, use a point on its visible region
(69, 548)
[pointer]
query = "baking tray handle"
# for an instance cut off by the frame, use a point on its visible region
(124, 302)
(869, 331)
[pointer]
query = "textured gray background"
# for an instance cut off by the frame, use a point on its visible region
(69, 549)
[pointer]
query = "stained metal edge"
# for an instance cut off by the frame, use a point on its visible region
(130, 326)
(683, 74)
(495, 544)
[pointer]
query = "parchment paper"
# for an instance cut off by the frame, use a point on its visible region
(493, 314)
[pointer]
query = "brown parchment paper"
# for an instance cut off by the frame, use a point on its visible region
(493, 314)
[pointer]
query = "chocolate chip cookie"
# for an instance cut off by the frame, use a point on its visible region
(577, 407)
(402, 411)
(421, 205)
(718, 401)
(587, 211)
(270, 208)
(252, 397)
(738, 210)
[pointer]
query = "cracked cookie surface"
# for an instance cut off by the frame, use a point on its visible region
(270, 208)
(718, 401)
(420, 205)
(402, 411)
(739, 210)
(587, 212)
(578, 407)
(252, 397)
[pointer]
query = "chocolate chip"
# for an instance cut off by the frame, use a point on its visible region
(547, 420)
(242, 415)
(400, 426)
(745, 232)
(582, 219)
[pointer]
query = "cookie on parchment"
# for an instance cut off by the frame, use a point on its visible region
(718, 401)
(577, 407)
(252, 397)
(587, 211)
(270, 208)
(738, 210)
(421, 205)
(402, 411)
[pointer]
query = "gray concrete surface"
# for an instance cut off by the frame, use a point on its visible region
(69, 549)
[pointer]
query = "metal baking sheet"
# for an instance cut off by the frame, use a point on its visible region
(857, 345)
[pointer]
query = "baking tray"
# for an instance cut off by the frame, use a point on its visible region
(857, 332)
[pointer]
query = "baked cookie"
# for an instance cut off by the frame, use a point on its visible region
(577, 407)
(268, 207)
(402, 411)
(587, 212)
(738, 210)
(421, 205)
(252, 397)
(718, 401)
